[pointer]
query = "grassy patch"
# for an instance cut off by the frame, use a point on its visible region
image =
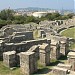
(69, 33)
(6, 71)
(72, 46)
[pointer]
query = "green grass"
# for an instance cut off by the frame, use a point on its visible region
(69, 33)
(72, 46)
(6, 71)
(42, 70)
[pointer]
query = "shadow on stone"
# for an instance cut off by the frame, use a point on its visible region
(43, 71)
(63, 57)
(54, 63)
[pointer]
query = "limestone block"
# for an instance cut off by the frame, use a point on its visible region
(45, 47)
(28, 63)
(71, 59)
(66, 66)
(9, 59)
(35, 49)
(63, 48)
(59, 71)
(44, 58)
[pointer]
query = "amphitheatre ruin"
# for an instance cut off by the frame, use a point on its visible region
(32, 45)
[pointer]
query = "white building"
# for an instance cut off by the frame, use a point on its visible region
(39, 14)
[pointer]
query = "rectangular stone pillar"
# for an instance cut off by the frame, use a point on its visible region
(44, 54)
(9, 59)
(28, 63)
(44, 58)
(63, 48)
(55, 50)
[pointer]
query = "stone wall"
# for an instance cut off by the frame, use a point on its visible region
(23, 46)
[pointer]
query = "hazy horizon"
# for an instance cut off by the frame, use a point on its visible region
(52, 4)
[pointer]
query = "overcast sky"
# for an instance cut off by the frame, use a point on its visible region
(53, 4)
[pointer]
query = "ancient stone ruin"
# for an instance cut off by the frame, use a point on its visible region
(27, 45)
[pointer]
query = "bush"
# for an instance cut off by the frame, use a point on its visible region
(2, 23)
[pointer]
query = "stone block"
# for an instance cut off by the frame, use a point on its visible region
(44, 58)
(45, 47)
(35, 49)
(59, 71)
(66, 66)
(71, 59)
(28, 63)
(9, 59)
(55, 52)
(63, 48)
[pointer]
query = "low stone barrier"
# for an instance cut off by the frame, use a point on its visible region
(59, 71)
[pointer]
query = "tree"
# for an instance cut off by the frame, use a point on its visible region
(6, 14)
(70, 15)
(2, 23)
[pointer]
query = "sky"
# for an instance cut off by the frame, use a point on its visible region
(53, 4)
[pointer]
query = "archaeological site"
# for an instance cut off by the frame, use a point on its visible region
(32, 45)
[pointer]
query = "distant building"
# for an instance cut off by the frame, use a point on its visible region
(39, 14)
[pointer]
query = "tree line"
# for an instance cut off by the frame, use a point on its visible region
(7, 17)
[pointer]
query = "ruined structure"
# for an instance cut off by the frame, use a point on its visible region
(24, 45)
(64, 43)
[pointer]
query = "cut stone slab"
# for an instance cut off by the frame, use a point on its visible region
(66, 66)
(59, 71)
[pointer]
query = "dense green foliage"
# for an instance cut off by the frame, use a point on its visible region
(8, 17)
